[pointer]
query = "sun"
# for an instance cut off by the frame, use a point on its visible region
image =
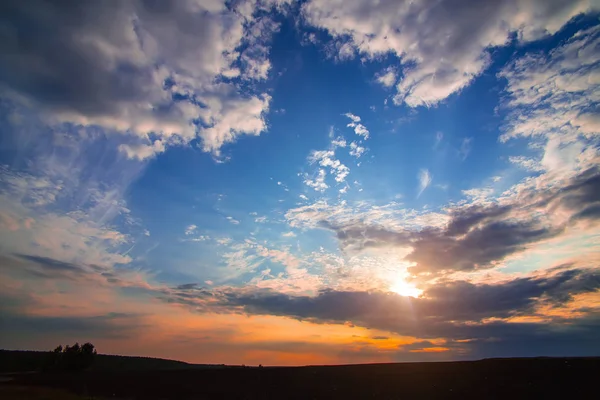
(404, 288)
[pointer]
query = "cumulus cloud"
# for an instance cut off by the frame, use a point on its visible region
(359, 128)
(356, 150)
(164, 73)
(326, 158)
(441, 47)
(552, 99)
(317, 182)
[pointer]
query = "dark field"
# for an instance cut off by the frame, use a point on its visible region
(572, 378)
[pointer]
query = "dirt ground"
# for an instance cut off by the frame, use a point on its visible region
(510, 378)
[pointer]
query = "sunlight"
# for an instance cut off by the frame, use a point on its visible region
(403, 288)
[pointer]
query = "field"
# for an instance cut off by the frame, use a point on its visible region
(494, 378)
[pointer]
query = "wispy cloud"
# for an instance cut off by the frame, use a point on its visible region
(425, 179)
(190, 229)
(439, 136)
(232, 220)
(465, 148)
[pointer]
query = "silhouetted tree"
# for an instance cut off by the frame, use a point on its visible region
(71, 358)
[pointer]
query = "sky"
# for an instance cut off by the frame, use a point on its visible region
(286, 183)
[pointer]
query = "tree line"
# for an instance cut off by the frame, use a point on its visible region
(70, 358)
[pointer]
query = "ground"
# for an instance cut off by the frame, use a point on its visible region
(494, 378)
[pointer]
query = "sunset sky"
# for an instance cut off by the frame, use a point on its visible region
(290, 183)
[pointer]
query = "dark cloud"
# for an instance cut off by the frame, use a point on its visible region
(51, 263)
(478, 248)
(187, 286)
(420, 345)
(50, 268)
(137, 67)
(455, 309)
(111, 325)
(478, 235)
(56, 52)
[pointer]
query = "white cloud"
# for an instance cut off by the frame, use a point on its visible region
(465, 148)
(390, 216)
(338, 142)
(143, 151)
(260, 220)
(232, 220)
(201, 238)
(326, 158)
(303, 197)
(194, 50)
(190, 230)
(318, 183)
(359, 128)
(387, 77)
(425, 180)
(356, 150)
(526, 163)
(443, 45)
(223, 241)
(288, 234)
(354, 118)
(549, 98)
(33, 225)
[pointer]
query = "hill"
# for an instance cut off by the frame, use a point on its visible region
(24, 361)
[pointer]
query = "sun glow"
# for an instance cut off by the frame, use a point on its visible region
(404, 288)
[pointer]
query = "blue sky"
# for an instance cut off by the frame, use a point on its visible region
(259, 167)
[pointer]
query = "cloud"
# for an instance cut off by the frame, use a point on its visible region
(108, 326)
(288, 234)
(326, 158)
(164, 74)
(142, 151)
(465, 148)
(552, 101)
(387, 77)
(528, 164)
(356, 150)
(232, 220)
(317, 183)
(425, 180)
(453, 310)
(441, 47)
(471, 236)
(359, 128)
(187, 286)
(190, 230)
